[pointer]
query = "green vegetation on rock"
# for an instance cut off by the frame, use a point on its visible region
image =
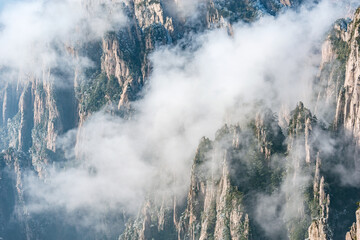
(99, 91)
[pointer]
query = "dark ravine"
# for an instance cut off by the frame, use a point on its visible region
(230, 174)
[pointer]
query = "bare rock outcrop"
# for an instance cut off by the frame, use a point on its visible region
(354, 232)
(319, 229)
(347, 111)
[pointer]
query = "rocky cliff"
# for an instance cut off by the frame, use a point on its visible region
(217, 203)
(354, 230)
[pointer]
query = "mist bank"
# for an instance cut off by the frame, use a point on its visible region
(218, 78)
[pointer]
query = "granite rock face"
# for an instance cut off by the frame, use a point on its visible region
(319, 229)
(215, 207)
(338, 78)
(347, 47)
(354, 232)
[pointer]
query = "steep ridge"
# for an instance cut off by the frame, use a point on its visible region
(241, 165)
(346, 118)
(216, 207)
(339, 70)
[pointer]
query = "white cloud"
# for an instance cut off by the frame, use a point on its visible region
(35, 34)
(191, 94)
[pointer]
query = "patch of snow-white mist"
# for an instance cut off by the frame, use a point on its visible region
(191, 93)
(39, 34)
